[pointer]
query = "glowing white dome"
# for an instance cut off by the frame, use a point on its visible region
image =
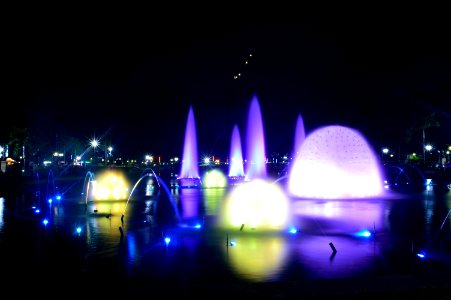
(335, 162)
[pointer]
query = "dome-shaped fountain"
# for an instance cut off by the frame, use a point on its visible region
(335, 162)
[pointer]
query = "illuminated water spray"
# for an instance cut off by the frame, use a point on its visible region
(88, 186)
(189, 174)
(335, 162)
(51, 190)
(255, 146)
(236, 156)
(299, 136)
(257, 204)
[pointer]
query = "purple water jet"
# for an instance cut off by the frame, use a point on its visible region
(189, 174)
(255, 146)
(299, 136)
(236, 169)
(335, 162)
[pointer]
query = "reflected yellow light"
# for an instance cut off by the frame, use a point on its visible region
(212, 200)
(110, 185)
(256, 204)
(214, 179)
(256, 258)
(113, 208)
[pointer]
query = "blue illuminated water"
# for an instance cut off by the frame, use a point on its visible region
(201, 257)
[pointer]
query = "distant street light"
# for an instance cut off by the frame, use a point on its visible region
(110, 149)
(94, 144)
(428, 148)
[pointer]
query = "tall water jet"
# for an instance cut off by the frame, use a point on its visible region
(299, 136)
(335, 162)
(189, 174)
(236, 169)
(255, 146)
(256, 204)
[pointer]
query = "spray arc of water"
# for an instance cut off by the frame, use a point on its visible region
(149, 173)
(89, 179)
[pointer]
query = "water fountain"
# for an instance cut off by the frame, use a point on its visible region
(335, 162)
(299, 136)
(214, 179)
(257, 203)
(255, 143)
(236, 169)
(158, 203)
(87, 187)
(50, 190)
(189, 174)
(110, 185)
(37, 201)
(148, 173)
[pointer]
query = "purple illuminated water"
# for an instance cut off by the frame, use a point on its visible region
(255, 146)
(299, 136)
(335, 162)
(190, 166)
(236, 156)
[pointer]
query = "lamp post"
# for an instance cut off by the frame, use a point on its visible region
(385, 152)
(110, 149)
(427, 148)
(94, 144)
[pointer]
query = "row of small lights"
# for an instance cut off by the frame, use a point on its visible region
(426, 147)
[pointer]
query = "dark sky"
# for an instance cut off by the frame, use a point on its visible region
(134, 81)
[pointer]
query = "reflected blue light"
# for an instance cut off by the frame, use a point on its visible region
(364, 233)
(421, 254)
(293, 230)
(50, 200)
(167, 240)
(45, 222)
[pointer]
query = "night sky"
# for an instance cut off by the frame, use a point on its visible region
(133, 82)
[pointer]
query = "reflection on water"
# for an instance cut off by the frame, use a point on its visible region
(353, 258)
(339, 216)
(190, 201)
(257, 258)
(400, 227)
(213, 199)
